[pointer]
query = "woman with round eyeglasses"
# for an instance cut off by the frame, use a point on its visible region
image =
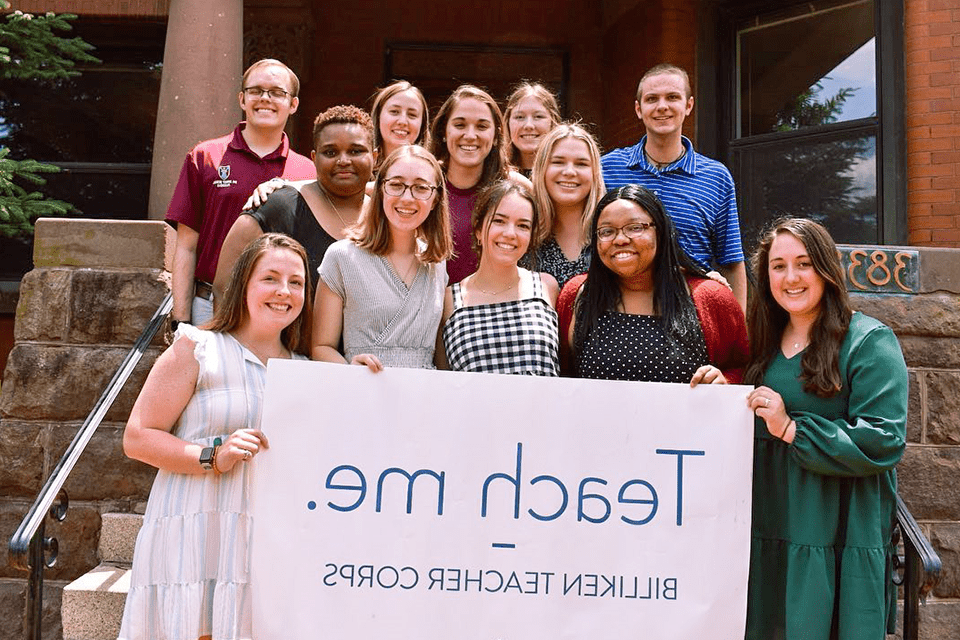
(381, 288)
(831, 414)
(531, 113)
(644, 311)
(501, 319)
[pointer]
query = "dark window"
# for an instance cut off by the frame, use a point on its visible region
(807, 133)
(97, 127)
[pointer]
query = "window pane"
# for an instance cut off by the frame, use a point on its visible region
(122, 196)
(811, 65)
(833, 181)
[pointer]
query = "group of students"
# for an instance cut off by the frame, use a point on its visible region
(487, 242)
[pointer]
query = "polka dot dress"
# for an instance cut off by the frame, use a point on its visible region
(632, 347)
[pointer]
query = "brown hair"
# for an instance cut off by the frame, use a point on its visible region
(380, 100)
(343, 114)
(522, 90)
(270, 62)
(538, 177)
(820, 364)
(495, 164)
(487, 202)
(232, 311)
(372, 231)
(665, 67)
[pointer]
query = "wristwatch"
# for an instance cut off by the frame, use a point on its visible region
(206, 458)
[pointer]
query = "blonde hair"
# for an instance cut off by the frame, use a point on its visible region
(380, 100)
(372, 231)
(270, 62)
(538, 177)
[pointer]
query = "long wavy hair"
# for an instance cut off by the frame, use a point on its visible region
(601, 290)
(820, 363)
(495, 164)
(232, 311)
(538, 176)
(372, 230)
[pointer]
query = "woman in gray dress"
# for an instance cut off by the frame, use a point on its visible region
(381, 288)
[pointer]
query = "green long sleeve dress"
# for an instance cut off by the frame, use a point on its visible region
(824, 505)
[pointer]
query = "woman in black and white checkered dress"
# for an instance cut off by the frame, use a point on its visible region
(501, 319)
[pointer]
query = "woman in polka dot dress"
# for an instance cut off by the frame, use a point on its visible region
(644, 311)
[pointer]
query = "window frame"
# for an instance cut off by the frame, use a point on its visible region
(889, 123)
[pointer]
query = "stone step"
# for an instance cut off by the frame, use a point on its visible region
(92, 605)
(118, 535)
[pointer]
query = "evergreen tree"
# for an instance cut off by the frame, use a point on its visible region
(31, 50)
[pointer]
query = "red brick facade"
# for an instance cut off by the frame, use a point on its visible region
(932, 61)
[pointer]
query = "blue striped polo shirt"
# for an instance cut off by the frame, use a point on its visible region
(697, 192)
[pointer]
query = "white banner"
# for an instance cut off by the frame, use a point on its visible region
(436, 505)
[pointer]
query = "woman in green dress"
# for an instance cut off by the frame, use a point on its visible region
(831, 407)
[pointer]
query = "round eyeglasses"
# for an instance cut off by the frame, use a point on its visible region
(632, 230)
(395, 188)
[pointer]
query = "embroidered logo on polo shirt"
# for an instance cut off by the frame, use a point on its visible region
(224, 172)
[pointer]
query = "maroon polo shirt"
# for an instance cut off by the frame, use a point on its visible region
(216, 179)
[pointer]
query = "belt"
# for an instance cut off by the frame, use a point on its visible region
(203, 290)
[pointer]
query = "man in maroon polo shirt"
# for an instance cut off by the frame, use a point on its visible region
(219, 175)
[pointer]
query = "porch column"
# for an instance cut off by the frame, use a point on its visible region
(202, 61)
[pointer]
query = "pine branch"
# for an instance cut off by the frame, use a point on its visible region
(30, 48)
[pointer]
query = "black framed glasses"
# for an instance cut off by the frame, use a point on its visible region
(257, 92)
(395, 188)
(632, 230)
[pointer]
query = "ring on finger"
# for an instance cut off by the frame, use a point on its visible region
(246, 455)
(766, 402)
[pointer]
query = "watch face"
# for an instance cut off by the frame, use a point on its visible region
(206, 457)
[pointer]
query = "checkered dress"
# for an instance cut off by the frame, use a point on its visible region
(518, 337)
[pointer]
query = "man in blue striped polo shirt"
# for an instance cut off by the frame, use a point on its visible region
(698, 192)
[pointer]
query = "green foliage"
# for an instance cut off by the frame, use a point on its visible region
(806, 111)
(30, 50)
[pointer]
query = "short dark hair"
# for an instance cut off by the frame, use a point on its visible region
(342, 114)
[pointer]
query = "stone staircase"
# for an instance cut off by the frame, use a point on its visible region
(92, 605)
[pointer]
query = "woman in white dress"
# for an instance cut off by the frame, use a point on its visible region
(197, 420)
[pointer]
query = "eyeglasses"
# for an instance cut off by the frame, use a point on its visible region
(632, 230)
(396, 188)
(257, 92)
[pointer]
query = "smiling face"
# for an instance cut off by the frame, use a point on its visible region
(626, 257)
(266, 112)
(275, 290)
(794, 282)
(470, 133)
(401, 119)
(404, 212)
(663, 104)
(528, 122)
(344, 158)
(569, 173)
(507, 231)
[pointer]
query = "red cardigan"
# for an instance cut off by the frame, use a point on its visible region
(724, 327)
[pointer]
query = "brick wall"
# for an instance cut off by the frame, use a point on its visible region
(138, 8)
(932, 57)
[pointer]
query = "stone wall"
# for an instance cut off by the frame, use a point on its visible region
(94, 287)
(927, 323)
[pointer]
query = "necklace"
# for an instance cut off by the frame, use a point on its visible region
(663, 165)
(496, 293)
(406, 273)
(330, 202)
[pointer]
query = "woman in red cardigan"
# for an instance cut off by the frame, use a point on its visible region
(644, 311)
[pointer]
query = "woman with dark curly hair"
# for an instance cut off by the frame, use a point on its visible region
(831, 410)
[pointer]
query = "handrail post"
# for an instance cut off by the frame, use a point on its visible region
(35, 586)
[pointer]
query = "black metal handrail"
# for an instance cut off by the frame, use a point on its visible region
(919, 566)
(29, 549)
